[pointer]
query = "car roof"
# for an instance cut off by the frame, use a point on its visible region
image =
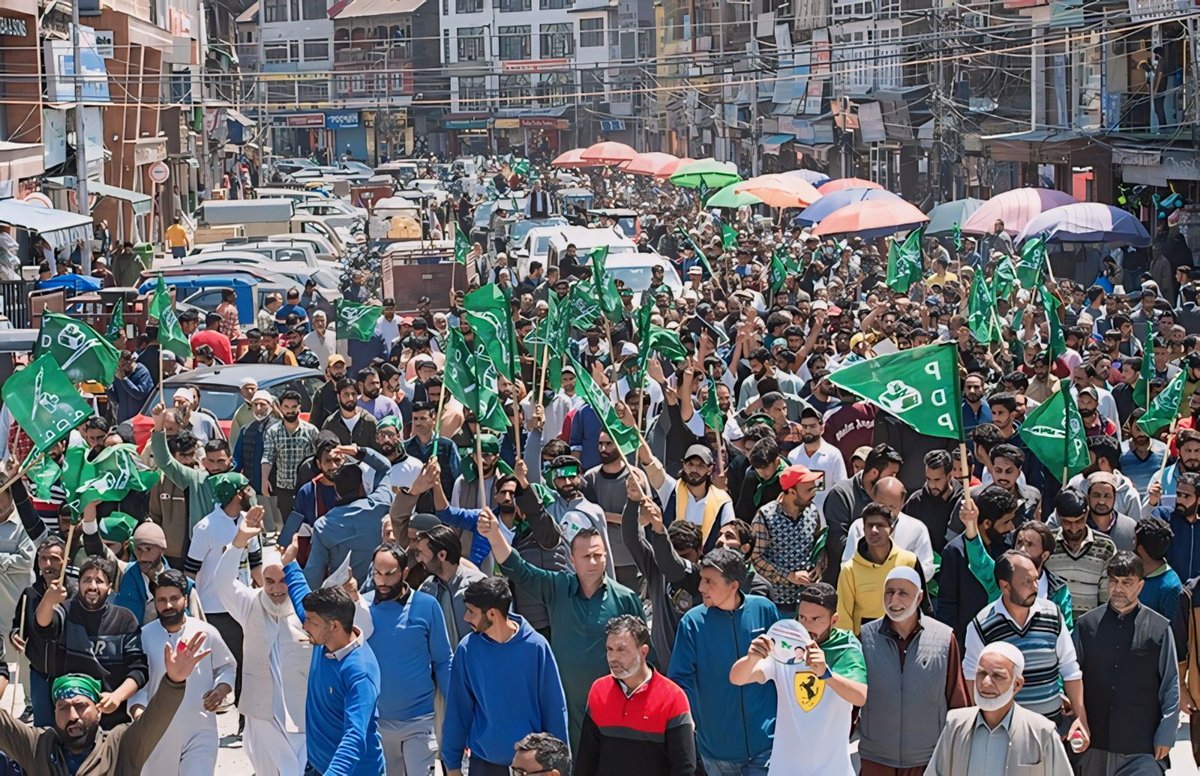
(231, 375)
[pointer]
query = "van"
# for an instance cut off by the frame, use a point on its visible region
(296, 195)
(301, 254)
(262, 218)
(585, 240)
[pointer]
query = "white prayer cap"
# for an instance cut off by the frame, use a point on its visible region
(263, 396)
(185, 394)
(906, 573)
(271, 557)
(1007, 651)
(248, 381)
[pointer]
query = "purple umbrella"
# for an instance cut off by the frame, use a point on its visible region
(837, 200)
(1088, 222)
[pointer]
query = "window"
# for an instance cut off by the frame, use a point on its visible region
(316, 50)
(591, 83)
(558, 40)
(556, 87)
(472, 93)
(514, 42)
(275, 11)
(280, 91)
(513, 5)
(445, 45)
(295, 5)
(591, 32)
(315, 9)
(471, 44)
(514, 88)
(293, 51)
(312, 90)
(554, 5)
(275, 53)
(468, 6)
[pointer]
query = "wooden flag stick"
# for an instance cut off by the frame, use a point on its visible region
(545, 368)
(1162, 466)
(966, 478)
(62, 575)
(479, 465)
(16, 678)
(437, 429)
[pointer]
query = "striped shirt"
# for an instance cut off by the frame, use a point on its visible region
(1084, 571)
(1044, 641)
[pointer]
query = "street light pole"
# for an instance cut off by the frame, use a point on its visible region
(81, 188)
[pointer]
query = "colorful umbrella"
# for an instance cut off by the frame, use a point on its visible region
(608, 152)
(944, 217)
(780, 190)
(651, 164)
(812, 176)
(727, 197)
(837, 200)
(837, 184)
(570, 160)
(1088, 222)
(670, 169)
(706, 172)
(871, 218)
(1016, 209)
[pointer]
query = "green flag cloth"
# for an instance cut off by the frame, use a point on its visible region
(472, 380)
(700, 255)
(1005, 280)
(779, 271)
(44, 402)
(1058, 343)
(981, 311)
(116, 323)
(906, 265)
(43, 475)
(711, 409)
(357, 321)
(659, 340)
(112, 475)
(82, 353)
(729, 236)
(1141, 391)
(919, 386)
(1165, 407)
(1054, 433)
(1031, 261)
(605, 288)
(544, 342)
(625, 437)
(489, 308)
(520, 167)
(170, 335)
(957, 237)
(462, 246)
(580, 310)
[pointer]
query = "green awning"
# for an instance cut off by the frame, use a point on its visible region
(141, 203)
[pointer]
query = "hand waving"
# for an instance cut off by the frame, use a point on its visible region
(181, 661)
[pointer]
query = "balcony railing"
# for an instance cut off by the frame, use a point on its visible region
(349, 55)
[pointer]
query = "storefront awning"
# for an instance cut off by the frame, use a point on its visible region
(772, 143)
(239, 117)
(141, 202)
(60, 228)
(21, 160)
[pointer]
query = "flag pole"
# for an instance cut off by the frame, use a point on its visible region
(516, 420)
(545, 368)
(30, 462)
(720, 453)
(12, 709)
(1162, 466)
(966, 478)
(612, 356)
(67, 560)
(479, 465)
(162, 391)
(437, 429)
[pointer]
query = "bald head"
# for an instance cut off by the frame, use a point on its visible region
(890, 492)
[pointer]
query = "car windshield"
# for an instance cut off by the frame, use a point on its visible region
(541, 245)
(521, 228)
(483, 214)
(638, 278)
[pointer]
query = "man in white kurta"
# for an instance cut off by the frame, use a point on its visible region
(189, 747)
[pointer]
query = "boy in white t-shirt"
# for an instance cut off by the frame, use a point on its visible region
(820, 676)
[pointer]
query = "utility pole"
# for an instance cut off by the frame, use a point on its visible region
(935, 160)
(81, 171)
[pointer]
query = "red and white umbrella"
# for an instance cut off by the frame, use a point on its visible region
(1016, 209)
(608, 152)
(651, 164)
(780, 190)
(837, 184)
(871, 218)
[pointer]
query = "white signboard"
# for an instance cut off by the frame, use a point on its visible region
(104, 44)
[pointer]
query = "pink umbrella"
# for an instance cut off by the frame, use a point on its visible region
(871, 218)
(608, 152)
(570, 160)
(651, 164)
(1015, 208)
(837, 184)
(780, 190)
(669, 169)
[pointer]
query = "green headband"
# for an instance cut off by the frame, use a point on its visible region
(489, 443)
(390, 420)
(70, 685)
(118, 527)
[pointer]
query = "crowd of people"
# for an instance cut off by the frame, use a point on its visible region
(377, 584)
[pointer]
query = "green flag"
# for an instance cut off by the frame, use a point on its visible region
(1031, 261)
(491, 340)
(472, 380)
(1165, 407)
(43, 475)
(1005, 280)
(116, 323)
(581, 308)
(779, 271)
(729, 237)
(1058, 343)
(547, 342)
(919, 386)
(357, 321)
(82, 353)
(110, 476)
(625, 437)
(700, 255)
(1053, 432)
(487, 312)
(662, 341)
(44, 402)
(906, 264)
(170, 335)
(981, 311)
(605, 288)
(1141, 391)
(711, 409)
(957, 237)
(462, 246)
(520, 167)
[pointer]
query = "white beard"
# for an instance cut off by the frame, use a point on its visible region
(993, 704)
(905, 614)
(278, 611)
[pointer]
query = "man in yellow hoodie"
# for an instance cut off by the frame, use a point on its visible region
(860, 585)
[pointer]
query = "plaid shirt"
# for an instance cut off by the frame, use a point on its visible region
(284, 451)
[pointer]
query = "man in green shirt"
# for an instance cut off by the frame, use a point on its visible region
(580, 603)
(201, 499)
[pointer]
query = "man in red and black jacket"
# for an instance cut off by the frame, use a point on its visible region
(638, 720)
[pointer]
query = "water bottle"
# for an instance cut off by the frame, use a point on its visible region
(1076, 740)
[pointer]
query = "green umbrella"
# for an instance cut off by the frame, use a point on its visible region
(727, 197)
(706, 173)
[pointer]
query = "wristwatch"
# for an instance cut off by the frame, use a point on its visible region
(827, 673)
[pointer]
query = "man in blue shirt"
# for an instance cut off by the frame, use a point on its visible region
(291, 307)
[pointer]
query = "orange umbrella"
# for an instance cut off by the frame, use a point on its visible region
(650, 164)
(780, 190)
(608, 152)
(871, 218)
(668, 170)
(847, 183)
(570, 159)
